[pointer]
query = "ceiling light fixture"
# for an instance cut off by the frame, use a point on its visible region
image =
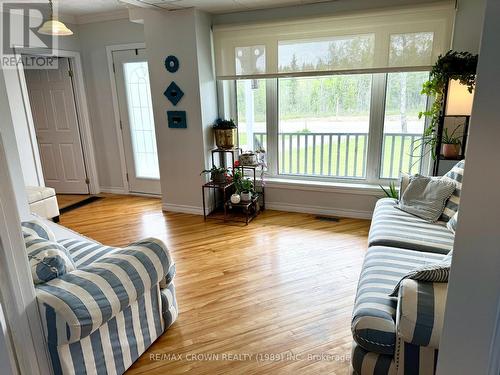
(53, 26)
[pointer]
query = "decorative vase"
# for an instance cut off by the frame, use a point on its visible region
(218, 178)
(451, 151)
(224, 138)
(235, 199)
(246, 196)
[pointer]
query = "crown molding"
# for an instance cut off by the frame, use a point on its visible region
(101, 17)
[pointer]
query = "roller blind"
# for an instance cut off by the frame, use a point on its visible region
(375, 41)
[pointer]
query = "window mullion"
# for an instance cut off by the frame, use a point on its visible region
(376, 127)
(272, 125)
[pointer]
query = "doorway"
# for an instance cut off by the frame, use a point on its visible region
(53, 106)
(137, 120)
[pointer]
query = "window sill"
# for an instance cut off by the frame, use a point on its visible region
(324, 186)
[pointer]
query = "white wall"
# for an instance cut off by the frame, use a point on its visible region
(471, 327)
(9, 140)
(468, 25)
(94, 37)
(185, 34)
(7, 359)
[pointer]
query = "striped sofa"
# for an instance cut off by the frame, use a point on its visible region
(400, 335)
(99, 318)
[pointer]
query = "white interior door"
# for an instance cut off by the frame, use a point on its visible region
(137, 121)
(56, 124)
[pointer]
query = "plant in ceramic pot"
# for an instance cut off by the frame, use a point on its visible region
(451, 144)
(217, 174)
(225, 133)
(452, 65)
(245, 188)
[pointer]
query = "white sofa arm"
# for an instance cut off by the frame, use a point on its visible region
(420, 312)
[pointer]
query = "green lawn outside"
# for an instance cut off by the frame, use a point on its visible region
(402, 147)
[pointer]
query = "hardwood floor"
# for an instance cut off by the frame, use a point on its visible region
(284, 285)
(65, 200)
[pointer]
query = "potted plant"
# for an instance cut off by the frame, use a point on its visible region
(451, 144)
(245, 189)
(452, 66)
(225, 133)
(217, 174)
(392, 192)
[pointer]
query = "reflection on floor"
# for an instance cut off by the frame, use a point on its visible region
(65, 200)
(282, 287)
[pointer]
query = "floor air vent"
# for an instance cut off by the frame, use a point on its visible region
(328, 218)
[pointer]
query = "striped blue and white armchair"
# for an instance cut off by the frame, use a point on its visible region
(101, 306)
(396, 335)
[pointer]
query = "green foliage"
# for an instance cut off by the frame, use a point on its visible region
(337, 95)
(214, 170)
(224, 124)
(452, 66)
(241, 183)
(244, 185)
(392, 192)
(451, 139)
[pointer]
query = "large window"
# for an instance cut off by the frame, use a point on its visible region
(402, 145)
(361, 127)
(323, 125)
(333, 97)
(251, 104)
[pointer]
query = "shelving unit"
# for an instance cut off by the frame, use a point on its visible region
(219, 195)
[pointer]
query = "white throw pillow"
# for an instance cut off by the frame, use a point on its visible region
(426, 197)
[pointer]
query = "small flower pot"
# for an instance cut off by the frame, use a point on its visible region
(246, 196)
(235, 199)
(225, 138)
(218, 178)
(451, 151)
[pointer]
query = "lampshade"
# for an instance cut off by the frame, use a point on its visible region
(459, 99)
(54, 27)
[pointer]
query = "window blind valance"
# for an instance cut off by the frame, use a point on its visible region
(376, 41)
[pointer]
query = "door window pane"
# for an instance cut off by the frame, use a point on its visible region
(323, 125)
(142, 130)
(251, 94)
(402, 146)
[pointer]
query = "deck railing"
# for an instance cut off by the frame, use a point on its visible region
(343, 154)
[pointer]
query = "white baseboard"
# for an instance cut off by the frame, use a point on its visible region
(194, 210)
(122, 191)
(113, 190)
(318, 210)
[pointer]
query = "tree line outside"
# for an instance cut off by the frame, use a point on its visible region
(343, 102)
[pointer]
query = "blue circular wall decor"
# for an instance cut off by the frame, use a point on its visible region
(172, 64)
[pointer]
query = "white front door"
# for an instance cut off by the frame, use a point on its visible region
(137, 121)
(56, 124)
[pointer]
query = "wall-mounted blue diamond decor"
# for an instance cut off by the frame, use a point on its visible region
(173, 93)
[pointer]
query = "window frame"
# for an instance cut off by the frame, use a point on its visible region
(226, 92)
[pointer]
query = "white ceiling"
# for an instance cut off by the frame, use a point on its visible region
(86, 7)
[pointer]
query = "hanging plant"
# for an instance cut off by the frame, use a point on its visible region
(453, 65)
